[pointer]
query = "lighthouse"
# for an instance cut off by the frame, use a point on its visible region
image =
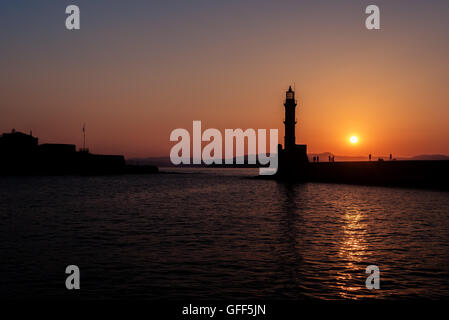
(293, 159)
(290, 120)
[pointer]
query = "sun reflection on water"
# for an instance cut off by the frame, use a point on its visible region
(353, 251)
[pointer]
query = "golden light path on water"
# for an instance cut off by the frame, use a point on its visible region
(353, 249)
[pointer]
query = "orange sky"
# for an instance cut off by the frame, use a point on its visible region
(134, 75)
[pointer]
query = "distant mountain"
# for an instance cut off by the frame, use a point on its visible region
(430, 157)
(166, 162)
(325, 157)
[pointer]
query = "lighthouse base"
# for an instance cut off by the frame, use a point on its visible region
(293, 162)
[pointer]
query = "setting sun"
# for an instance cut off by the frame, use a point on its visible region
(354, 139)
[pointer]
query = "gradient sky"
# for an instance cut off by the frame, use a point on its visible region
(139, 69)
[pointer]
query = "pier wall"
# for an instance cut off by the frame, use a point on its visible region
(432, 174)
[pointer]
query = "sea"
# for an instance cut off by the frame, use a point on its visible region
(205, 234)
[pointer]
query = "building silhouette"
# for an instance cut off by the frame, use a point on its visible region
(18, 143)
(21, 154)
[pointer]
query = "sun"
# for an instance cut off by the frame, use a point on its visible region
(354, 139)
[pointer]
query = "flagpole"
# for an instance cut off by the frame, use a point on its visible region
(84, 137)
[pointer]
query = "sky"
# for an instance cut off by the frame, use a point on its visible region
(136, 70)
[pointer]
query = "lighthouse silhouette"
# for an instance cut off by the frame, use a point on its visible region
(293, 157)
(290, 120)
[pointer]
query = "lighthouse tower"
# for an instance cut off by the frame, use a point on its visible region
(293, 161)
(290, 120)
